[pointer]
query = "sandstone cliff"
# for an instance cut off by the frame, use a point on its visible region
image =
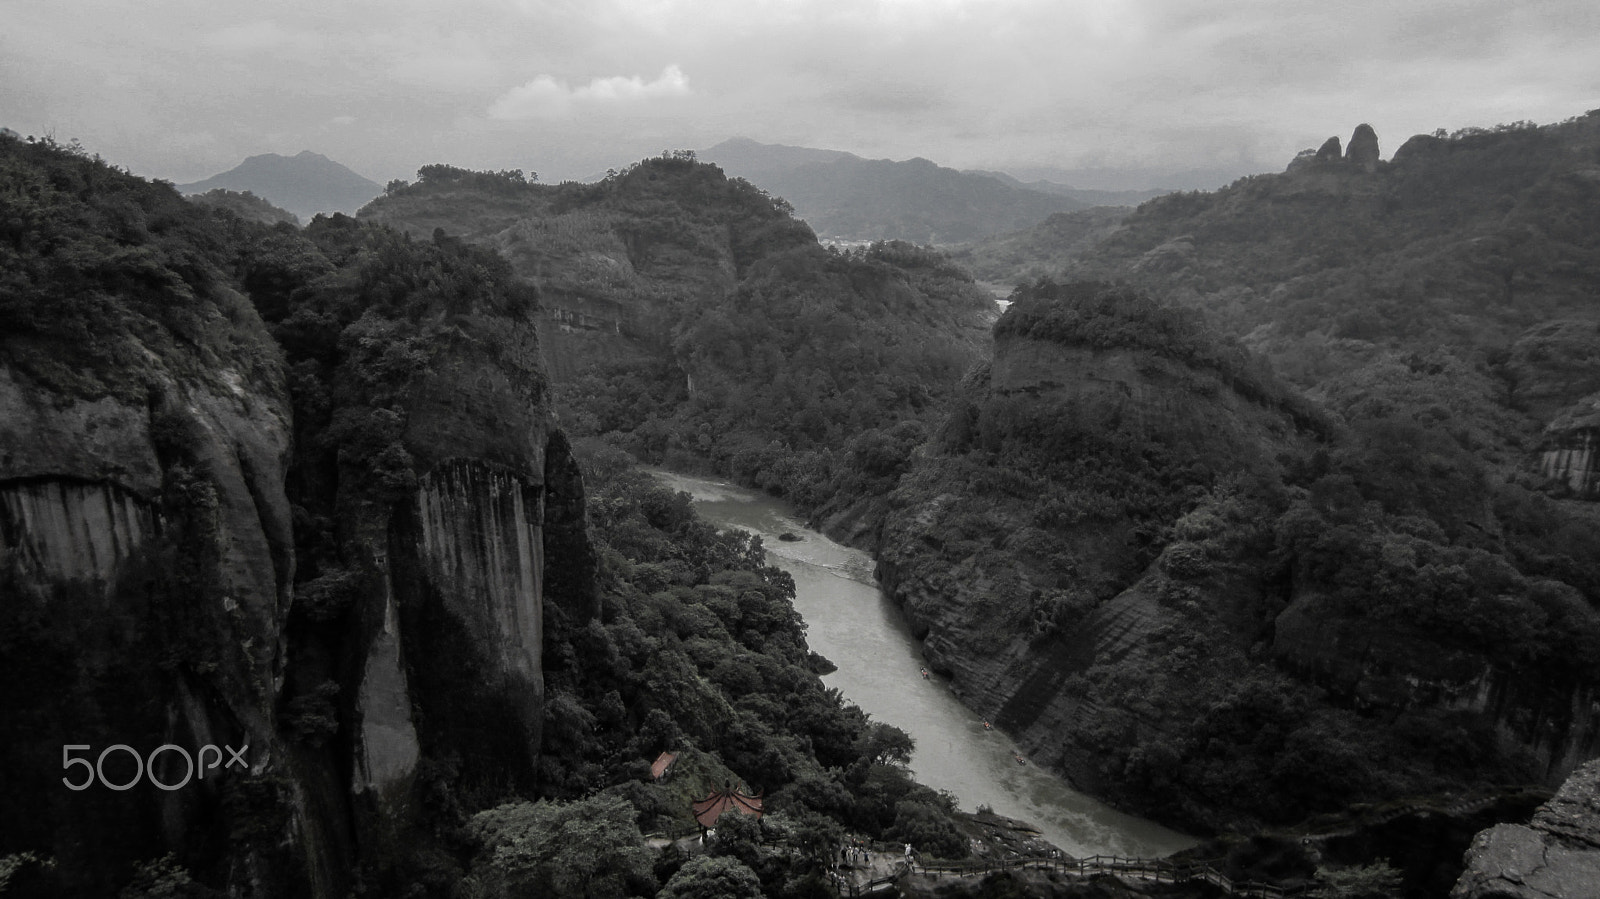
(1557, 854)
(330, 550)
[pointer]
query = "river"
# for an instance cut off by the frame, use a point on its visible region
(851, 622)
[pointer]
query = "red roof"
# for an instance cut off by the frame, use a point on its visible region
(661, 765)
(709, 809)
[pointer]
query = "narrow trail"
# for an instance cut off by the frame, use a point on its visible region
(879, 877)
(889, 869)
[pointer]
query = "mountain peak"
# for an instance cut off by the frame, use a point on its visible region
(305, 184)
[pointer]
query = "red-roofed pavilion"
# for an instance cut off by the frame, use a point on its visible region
(709, 809)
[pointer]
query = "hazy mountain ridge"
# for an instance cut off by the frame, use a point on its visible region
(305, 184)
(844, 196)
(1087, 196)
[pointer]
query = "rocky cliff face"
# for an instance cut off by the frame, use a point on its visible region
(433, 464)
(163, 571)
(342, 579)
(1557, 854)
(1570, 454)
(1361, 155)
(1556, 725)
(1554, 372)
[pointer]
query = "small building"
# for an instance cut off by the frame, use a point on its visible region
(709, 809)
(662, 767)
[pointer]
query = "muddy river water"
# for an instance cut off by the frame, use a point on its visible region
(854, 625)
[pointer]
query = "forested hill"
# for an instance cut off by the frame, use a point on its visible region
(1198, 593)
(1468, 263)
(691, 318)
(1371, 564)
(1465, 238)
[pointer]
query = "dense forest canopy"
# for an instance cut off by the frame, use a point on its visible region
(744, 344)
(1334, 586)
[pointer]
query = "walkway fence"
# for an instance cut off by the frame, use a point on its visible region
(1156, 870)
(1149, 870)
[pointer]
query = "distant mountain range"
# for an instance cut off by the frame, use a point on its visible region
(1090, 197)
(305, 184)
(843, 196)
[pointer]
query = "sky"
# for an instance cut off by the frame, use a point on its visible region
(1099, 90)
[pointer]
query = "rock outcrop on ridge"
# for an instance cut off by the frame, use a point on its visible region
(1554, 856)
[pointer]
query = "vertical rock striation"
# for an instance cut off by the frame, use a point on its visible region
(1570, 451)
(146, 559)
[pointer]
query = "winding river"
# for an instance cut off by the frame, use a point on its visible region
(854, 625)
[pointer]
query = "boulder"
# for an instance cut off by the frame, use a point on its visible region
(1556, 854)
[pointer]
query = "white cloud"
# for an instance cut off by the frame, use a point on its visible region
(545, 96)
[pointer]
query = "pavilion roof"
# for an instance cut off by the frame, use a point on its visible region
(709, 809)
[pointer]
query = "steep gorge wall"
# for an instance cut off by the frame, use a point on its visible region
(345, 585)
(144, 606)
(60, 531)
(443, 649)
(481, 544)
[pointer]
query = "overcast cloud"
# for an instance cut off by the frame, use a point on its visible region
(182, 89)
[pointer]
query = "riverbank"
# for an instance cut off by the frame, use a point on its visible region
(879, 664)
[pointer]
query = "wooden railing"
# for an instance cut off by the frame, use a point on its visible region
(1132, 868)
(1158, 870)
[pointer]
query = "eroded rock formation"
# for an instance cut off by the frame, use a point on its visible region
(1555, 856)
(1363, 149)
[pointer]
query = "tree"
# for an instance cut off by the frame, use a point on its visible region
(928, 828)
(884, 744)
(1379, 881)
(589, 847)
(709, 877)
